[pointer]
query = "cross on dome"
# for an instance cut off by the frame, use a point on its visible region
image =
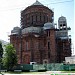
(37, 3)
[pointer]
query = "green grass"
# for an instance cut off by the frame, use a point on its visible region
(22, 72)
(67, 71)
(33, 72)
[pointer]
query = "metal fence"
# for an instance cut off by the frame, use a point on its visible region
(48, 67)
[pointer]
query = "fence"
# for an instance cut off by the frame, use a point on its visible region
(41, 67)
(54, 67)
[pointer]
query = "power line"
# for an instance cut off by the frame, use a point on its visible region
(60, 2)
(45, 4)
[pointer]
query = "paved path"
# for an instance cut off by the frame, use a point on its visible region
(44, 73)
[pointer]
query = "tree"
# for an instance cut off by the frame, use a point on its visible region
(10, 57)
(1, 52)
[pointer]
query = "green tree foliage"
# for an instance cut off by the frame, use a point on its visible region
(1, 52)
(10, 57)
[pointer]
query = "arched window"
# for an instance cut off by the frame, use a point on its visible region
(26, 45)
(40, 16)
(36, 18)
(48, 33)
(48, 45)
(47, 18)
(32, 19)
(44, 18)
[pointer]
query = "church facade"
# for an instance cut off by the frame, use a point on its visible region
(38, 39)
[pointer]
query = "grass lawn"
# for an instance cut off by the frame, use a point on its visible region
(67, 71)
(22, 72)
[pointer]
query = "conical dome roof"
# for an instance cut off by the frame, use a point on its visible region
(37, 3)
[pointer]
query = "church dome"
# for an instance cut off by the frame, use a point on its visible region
(48, 26)
(31, 30)
(62, 23)
(15, 30)
(62, 18)
(36, 15)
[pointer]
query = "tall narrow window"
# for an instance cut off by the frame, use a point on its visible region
(48, 45)
(32, 19)
(40, 16)
(44, 19)
(47, 18)
(49, 33)
(36, 18)
(26, 45)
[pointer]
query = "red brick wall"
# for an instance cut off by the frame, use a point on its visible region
(52, 41)
(39, 11)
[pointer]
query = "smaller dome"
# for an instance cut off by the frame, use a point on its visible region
(31, 30)
(15, 30)
(62, 18)
(48, 26)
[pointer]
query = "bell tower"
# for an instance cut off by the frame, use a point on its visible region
(63, 40)
(62, 24)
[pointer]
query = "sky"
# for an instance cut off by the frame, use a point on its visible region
(10, 15)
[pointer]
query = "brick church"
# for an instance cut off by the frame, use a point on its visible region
(39, 39)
